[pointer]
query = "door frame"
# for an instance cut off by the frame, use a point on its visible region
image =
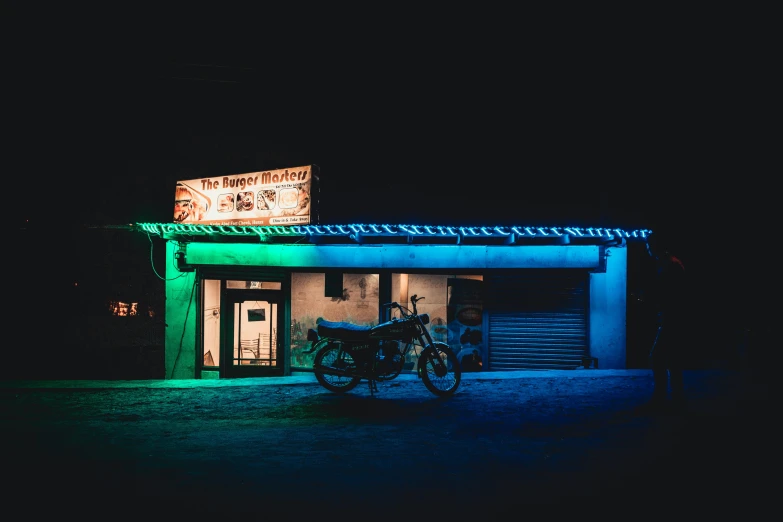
(228, 298)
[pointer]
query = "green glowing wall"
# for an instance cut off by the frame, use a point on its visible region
(181, 314)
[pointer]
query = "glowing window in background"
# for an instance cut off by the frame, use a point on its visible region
(121, 309)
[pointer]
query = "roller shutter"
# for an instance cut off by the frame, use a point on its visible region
(537, 320)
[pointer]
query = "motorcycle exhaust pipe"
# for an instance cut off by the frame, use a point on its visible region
(326, 370)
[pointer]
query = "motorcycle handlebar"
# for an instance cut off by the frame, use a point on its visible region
(394, 304)
(414, 299)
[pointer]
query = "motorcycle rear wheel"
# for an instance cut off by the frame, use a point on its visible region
(442, 381)
(330, 356)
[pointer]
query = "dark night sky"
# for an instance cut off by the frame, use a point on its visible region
(632, 135)
(594, 130)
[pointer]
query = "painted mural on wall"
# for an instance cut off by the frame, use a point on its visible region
(357, 304)
(464, 318)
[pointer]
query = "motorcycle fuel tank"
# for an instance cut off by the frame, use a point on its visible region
(394, 329)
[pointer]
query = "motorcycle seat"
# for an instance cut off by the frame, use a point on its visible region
(343, 330)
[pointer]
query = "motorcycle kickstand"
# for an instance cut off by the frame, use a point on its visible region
(373, 387)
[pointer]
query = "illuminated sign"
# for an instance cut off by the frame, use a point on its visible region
(272, 197)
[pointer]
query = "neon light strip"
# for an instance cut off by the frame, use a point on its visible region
(393, 230)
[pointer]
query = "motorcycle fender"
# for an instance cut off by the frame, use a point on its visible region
(419, 367)
(422, 359)
(312, 335)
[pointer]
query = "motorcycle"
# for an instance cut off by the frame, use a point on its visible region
(346, 353)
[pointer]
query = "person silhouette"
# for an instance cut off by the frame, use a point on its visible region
(669, 299)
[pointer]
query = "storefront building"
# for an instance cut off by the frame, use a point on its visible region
(240, 297)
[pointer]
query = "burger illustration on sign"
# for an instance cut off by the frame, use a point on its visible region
(266, 199)
(289, 197)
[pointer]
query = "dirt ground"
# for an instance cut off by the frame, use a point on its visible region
(295, 451)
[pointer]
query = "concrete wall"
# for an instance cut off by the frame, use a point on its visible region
(607, 320)
(401, 257)
(181, 314)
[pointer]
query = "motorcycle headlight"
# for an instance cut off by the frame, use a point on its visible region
(425, 318)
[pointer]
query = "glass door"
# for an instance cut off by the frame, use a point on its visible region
(251, 327)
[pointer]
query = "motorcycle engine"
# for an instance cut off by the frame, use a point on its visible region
(391, 349)
(389, 357)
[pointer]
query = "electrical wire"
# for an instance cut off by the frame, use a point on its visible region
(152, 263)
(184, 329)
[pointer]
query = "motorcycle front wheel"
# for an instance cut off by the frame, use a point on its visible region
(330, 356)
(442, 380)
